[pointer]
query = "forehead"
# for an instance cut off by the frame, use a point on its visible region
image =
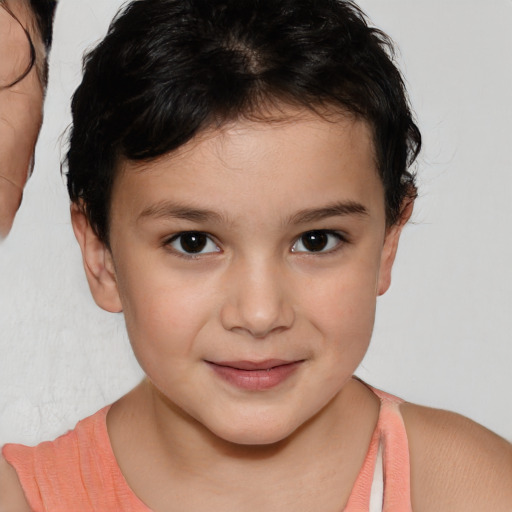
(251, 166)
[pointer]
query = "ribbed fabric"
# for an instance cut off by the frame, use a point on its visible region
(390, 434)
(78, 471)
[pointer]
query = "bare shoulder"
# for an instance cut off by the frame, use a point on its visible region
(12, 498)
(456, 464)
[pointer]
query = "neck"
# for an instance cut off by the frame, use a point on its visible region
(175, 447)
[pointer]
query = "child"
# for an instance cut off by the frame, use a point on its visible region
(239, 179)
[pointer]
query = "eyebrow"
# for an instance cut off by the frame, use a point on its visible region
(168, 209)
(338, 209)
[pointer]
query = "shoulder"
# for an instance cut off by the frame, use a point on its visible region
(456, 464)
(12, 498)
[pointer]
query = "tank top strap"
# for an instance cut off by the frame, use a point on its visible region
(384, 477)
(77, 472)
(395, 450)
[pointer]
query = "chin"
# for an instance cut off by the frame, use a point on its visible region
(249, 438)
(254, 433)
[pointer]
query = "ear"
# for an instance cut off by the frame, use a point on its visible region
(390, 247)
(98, 263)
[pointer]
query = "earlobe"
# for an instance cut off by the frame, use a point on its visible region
(98, 263)
(390, 247)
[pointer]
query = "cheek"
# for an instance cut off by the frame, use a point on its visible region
(163, 311)
(341, 308)
(344, 301)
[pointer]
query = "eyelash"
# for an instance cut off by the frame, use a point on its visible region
(321, 234)
(193, 255)
(324, 235)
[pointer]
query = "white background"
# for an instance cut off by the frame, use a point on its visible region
(443, 331)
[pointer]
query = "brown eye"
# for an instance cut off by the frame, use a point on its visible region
(193, 242)
(317, 241)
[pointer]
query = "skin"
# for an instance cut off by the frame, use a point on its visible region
(20, 115)
(187, 437)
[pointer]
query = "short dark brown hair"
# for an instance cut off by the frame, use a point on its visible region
(169, 69)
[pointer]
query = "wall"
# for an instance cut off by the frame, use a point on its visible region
(442, 336)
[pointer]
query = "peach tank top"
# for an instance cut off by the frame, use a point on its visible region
(78, 471)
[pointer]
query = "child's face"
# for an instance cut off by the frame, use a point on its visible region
(248, 265)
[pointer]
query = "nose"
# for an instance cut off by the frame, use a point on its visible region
(257, 301)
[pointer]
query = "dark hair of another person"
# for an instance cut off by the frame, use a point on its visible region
(44, 11)
(169, 69)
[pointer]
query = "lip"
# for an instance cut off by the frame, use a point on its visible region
(255, 375)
